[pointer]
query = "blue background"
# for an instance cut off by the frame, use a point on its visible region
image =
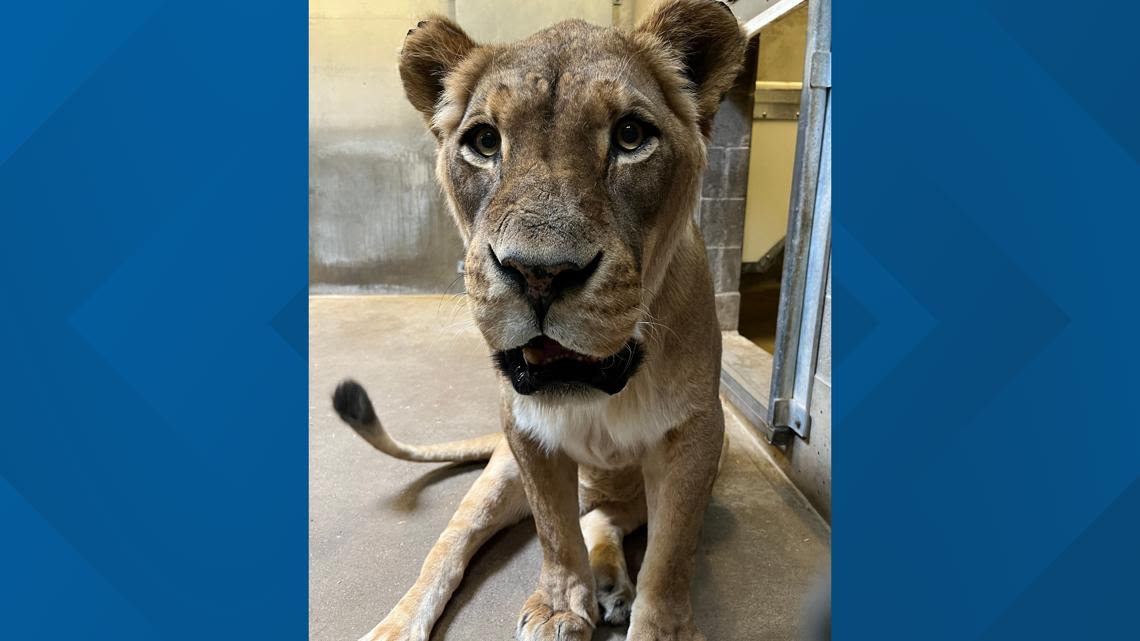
(986, 448)
(154, 196)
(153, 184)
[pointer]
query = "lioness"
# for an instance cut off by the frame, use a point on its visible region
(572, 164)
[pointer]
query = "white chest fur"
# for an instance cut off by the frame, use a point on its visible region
(606, 432)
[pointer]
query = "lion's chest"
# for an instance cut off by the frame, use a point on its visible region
(609, 433)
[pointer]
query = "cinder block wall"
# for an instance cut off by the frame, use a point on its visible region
(721, 212)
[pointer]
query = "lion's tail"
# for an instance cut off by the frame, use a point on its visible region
(355, 408)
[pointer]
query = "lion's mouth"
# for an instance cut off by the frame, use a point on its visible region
(545, 365)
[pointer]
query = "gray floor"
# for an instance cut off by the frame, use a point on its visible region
(372, 519)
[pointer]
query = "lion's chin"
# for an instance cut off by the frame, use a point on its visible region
(543, 366)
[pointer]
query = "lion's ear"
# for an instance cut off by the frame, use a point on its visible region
(431, 51)
(708, 41)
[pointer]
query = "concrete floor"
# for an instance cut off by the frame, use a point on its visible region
(372, 519)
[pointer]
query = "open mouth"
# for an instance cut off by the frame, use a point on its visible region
(543, 365)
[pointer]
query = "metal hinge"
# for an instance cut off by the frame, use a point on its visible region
(821, 69)
(789, 414)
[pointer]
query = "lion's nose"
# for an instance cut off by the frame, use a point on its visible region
(543, 282)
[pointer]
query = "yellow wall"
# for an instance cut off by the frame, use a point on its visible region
(353, 43)
(509, 20)
(781, 56)
(353, 79)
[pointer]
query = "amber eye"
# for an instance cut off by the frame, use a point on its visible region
(628, 134)
(485, 141)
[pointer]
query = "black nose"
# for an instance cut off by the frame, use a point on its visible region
(542, 283)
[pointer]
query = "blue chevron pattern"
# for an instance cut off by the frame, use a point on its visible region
(987, 461)
(153, 171)
(986, 466)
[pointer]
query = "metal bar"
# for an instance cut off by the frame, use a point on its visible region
(785, 407)
(821, 69)
(819, 252)
(769, 15)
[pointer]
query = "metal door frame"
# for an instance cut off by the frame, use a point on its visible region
(807, 254)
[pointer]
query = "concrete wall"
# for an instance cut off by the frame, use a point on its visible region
(377, 221)
(809, 461)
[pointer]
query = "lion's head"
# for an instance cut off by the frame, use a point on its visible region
(572, 163)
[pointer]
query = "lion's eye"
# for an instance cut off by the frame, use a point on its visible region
(485, 141)
(628, 134)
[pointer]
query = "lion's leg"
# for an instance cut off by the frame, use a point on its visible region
(495, 501)
(605, 527)
(563, 606)
(679, 475)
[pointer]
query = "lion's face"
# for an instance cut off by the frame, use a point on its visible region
(571, 161)
(560, 167)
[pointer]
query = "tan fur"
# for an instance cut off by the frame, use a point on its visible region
(495, 501)
(479, 448)
(591, 467)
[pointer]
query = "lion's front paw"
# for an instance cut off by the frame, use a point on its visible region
(540, 621)
(657, 625)
(688, 632)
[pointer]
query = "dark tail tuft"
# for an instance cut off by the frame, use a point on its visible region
(352, 403)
